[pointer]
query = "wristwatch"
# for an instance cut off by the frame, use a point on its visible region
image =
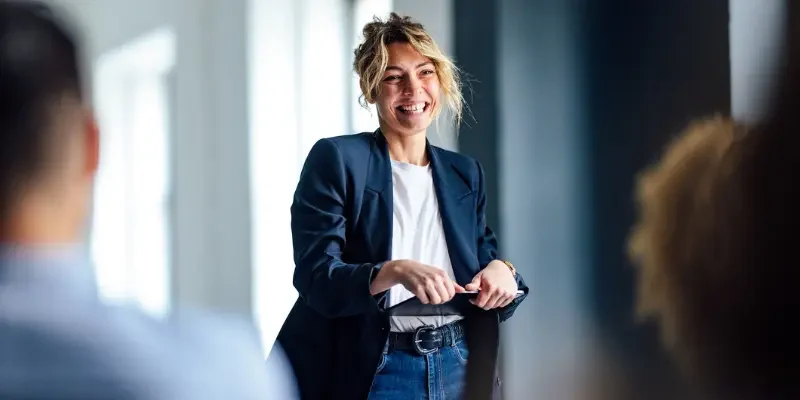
(510, 266)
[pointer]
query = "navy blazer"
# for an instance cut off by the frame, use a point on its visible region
(342, 234)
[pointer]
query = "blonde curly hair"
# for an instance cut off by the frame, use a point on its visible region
(692, 274)
(372, 58)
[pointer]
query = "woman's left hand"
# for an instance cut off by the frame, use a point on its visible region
(496, 286)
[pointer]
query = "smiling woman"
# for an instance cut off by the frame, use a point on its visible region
(415, 58)
(384, 216)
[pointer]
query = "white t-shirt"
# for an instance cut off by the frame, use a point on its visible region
(417, 235)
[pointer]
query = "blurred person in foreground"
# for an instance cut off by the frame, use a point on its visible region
(381, 217)
(716, 249)
(57, 341)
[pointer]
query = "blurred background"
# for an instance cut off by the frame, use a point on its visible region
(209, 107)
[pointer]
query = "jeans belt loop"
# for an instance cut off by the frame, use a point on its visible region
(452, 331)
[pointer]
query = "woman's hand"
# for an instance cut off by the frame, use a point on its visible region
(430, 284)
(496, 286)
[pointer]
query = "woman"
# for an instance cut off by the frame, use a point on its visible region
(381, 217)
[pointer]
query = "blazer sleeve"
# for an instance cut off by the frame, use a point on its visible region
(326, 283)
(487, 247)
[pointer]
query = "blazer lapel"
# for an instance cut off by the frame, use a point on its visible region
(378, 202)
(453, 194)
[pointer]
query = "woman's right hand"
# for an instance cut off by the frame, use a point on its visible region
(430, 284)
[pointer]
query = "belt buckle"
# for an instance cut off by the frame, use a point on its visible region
(417, 340)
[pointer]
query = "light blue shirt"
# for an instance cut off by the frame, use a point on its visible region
(59, 341)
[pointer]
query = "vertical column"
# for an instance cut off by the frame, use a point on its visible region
(212, 259)
(192, 252)
(230, 269)
(273, 71)
(526, 134)
(475, 51)
(649, 68)
(756, 42)
(542, 189)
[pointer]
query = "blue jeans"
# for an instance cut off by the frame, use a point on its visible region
(409, 376)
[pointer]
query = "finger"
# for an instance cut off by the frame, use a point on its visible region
(433, 293)
(443, 291)
(459, 288)
(444, 287)
(440, 284)
(482, 299)
(434, 296)
(451, 289)
(472, 286)
(497, 299)
(422, 295)
(502, 301)
(475, 284)
(491, 298)
(509, 298)
(492, 295)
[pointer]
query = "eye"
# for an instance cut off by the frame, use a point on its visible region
(428, 72)
(392, 78)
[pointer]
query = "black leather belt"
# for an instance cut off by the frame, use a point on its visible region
(426, 339)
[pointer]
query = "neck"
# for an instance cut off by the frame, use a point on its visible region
(37, 223)
(407, 149)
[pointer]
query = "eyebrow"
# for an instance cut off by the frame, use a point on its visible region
(420, 65)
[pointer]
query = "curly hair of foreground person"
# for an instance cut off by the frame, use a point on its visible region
(715, 245)
(694, 277)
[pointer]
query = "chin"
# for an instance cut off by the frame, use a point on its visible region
(404, 129)
(412, 131)
(413, 127)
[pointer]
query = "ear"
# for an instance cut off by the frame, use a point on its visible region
(91, 143)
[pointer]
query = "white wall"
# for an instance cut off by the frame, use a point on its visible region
(210, 194)
(255, 84)
(210, 208)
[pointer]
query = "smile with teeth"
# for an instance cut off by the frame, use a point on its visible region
(411, 109)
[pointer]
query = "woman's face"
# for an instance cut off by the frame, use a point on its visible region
(409, 91)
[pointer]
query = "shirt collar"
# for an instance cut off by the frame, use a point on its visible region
(57, 266)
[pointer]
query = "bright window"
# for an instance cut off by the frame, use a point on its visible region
(274, 126)
(130, 228)
(296, 99)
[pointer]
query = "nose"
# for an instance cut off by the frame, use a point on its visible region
(413, 85)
